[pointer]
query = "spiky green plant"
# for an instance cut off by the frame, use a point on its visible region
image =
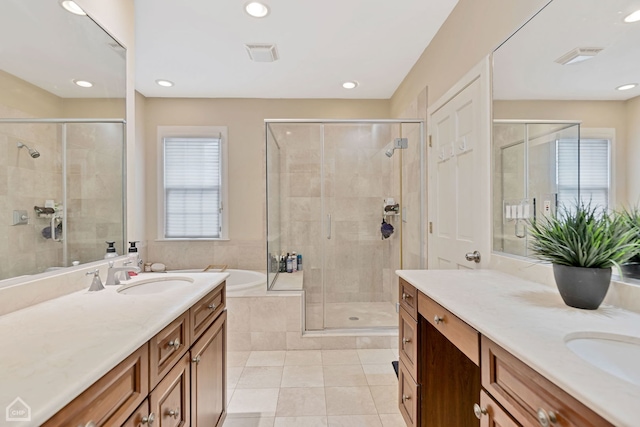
(631, 218)
(583, 236)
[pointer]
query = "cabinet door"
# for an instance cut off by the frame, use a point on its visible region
(208, 375)
(408, 345)
(142, 417)
(492, 414)
(408, 397)
(170, 400)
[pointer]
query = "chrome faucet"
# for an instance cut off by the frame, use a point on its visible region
(111, 273)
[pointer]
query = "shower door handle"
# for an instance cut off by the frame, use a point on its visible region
(329, 227)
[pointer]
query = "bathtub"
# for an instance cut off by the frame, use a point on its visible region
(238, 280)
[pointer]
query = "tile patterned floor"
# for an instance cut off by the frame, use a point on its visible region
(312, 388)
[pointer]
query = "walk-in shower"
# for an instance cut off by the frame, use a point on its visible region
(62, 207)
(331, 184)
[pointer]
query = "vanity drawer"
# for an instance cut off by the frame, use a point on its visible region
(458, 332)
(492, 414)
(408, 298)
(112, 398)
(407, 396)
(167, 347)
(527, 395)
(408, 342)
(205, 311)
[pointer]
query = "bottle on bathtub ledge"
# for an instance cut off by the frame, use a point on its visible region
(299, 262)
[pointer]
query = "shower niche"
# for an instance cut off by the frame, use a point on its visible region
(346, 195)
(535, 170)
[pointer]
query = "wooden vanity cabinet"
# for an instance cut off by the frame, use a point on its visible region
(176, 379)
(491, 414)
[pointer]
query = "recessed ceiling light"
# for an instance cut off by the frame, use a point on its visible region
(83, 83)
(257, 9)
(350, 85)
(627, 86)
(632, 17)
(164, 83)
(72, 7)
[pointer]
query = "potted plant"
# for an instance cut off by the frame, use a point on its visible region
(583, 243)
(631, 217)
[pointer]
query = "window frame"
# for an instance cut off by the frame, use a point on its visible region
(193, 132)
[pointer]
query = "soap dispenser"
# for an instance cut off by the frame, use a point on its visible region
(111, 250)
(134, 257)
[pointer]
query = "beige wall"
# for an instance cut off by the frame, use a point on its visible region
(245, 121)
(593, 114)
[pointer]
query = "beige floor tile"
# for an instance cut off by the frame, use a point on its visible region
(376, 356)
(344, 376)
(303, 358)
(340, 357)
(233, 375)
(302, 376)
(237, 358)
(349, 401)
(300, 422)
(392, 420)
(297, 402)
(248, 422)
(253, 403)
(354, 421)
(260, 377)
(266, 358)
(380, 374)
(385, 398)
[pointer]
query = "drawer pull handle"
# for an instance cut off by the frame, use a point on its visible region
(89, 424)
(405, 340)
(211, 306)
(437, 319)
(406, 296)
(173, 413)
(148, 420)
(546, 418)
(479, 411)
(405, 398)
(196, 359)
(174, 343)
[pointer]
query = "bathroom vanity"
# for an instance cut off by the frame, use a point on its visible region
(485, 348)
(124, 356)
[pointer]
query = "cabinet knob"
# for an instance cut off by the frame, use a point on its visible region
(405, 340)
(90, 423)
(196, 359)
(546, 418)
(174, 343)
(479, 411)
(175, 413)
(405, 296)
(438, 319)
(148, 420)
(211, 306)
(405, 398)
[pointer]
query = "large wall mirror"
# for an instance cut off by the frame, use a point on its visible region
(569, 74)
(62, 138)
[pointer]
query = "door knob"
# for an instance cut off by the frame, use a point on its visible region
(473, 256)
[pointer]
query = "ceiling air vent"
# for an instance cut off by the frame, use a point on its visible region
(578, 54)
(262, 52)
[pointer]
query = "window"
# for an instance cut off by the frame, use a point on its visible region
(587, 173)
(193, 184)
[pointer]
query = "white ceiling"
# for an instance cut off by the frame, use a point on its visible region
(199, 45)
(525, 67)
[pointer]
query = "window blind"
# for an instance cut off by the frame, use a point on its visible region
(583, 171)
(192, 183)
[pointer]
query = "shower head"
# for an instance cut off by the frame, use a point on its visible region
(389, 152)
(32, 152)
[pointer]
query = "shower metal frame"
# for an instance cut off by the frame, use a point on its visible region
(64, 122)
(422, 154)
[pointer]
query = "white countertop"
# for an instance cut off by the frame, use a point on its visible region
(53, 351)
(531, 321)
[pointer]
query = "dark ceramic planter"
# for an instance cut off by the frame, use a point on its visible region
(582, 287)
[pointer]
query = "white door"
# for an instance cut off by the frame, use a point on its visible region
(458, 182)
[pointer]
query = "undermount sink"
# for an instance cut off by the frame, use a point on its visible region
(155, 285)
(618, 355)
